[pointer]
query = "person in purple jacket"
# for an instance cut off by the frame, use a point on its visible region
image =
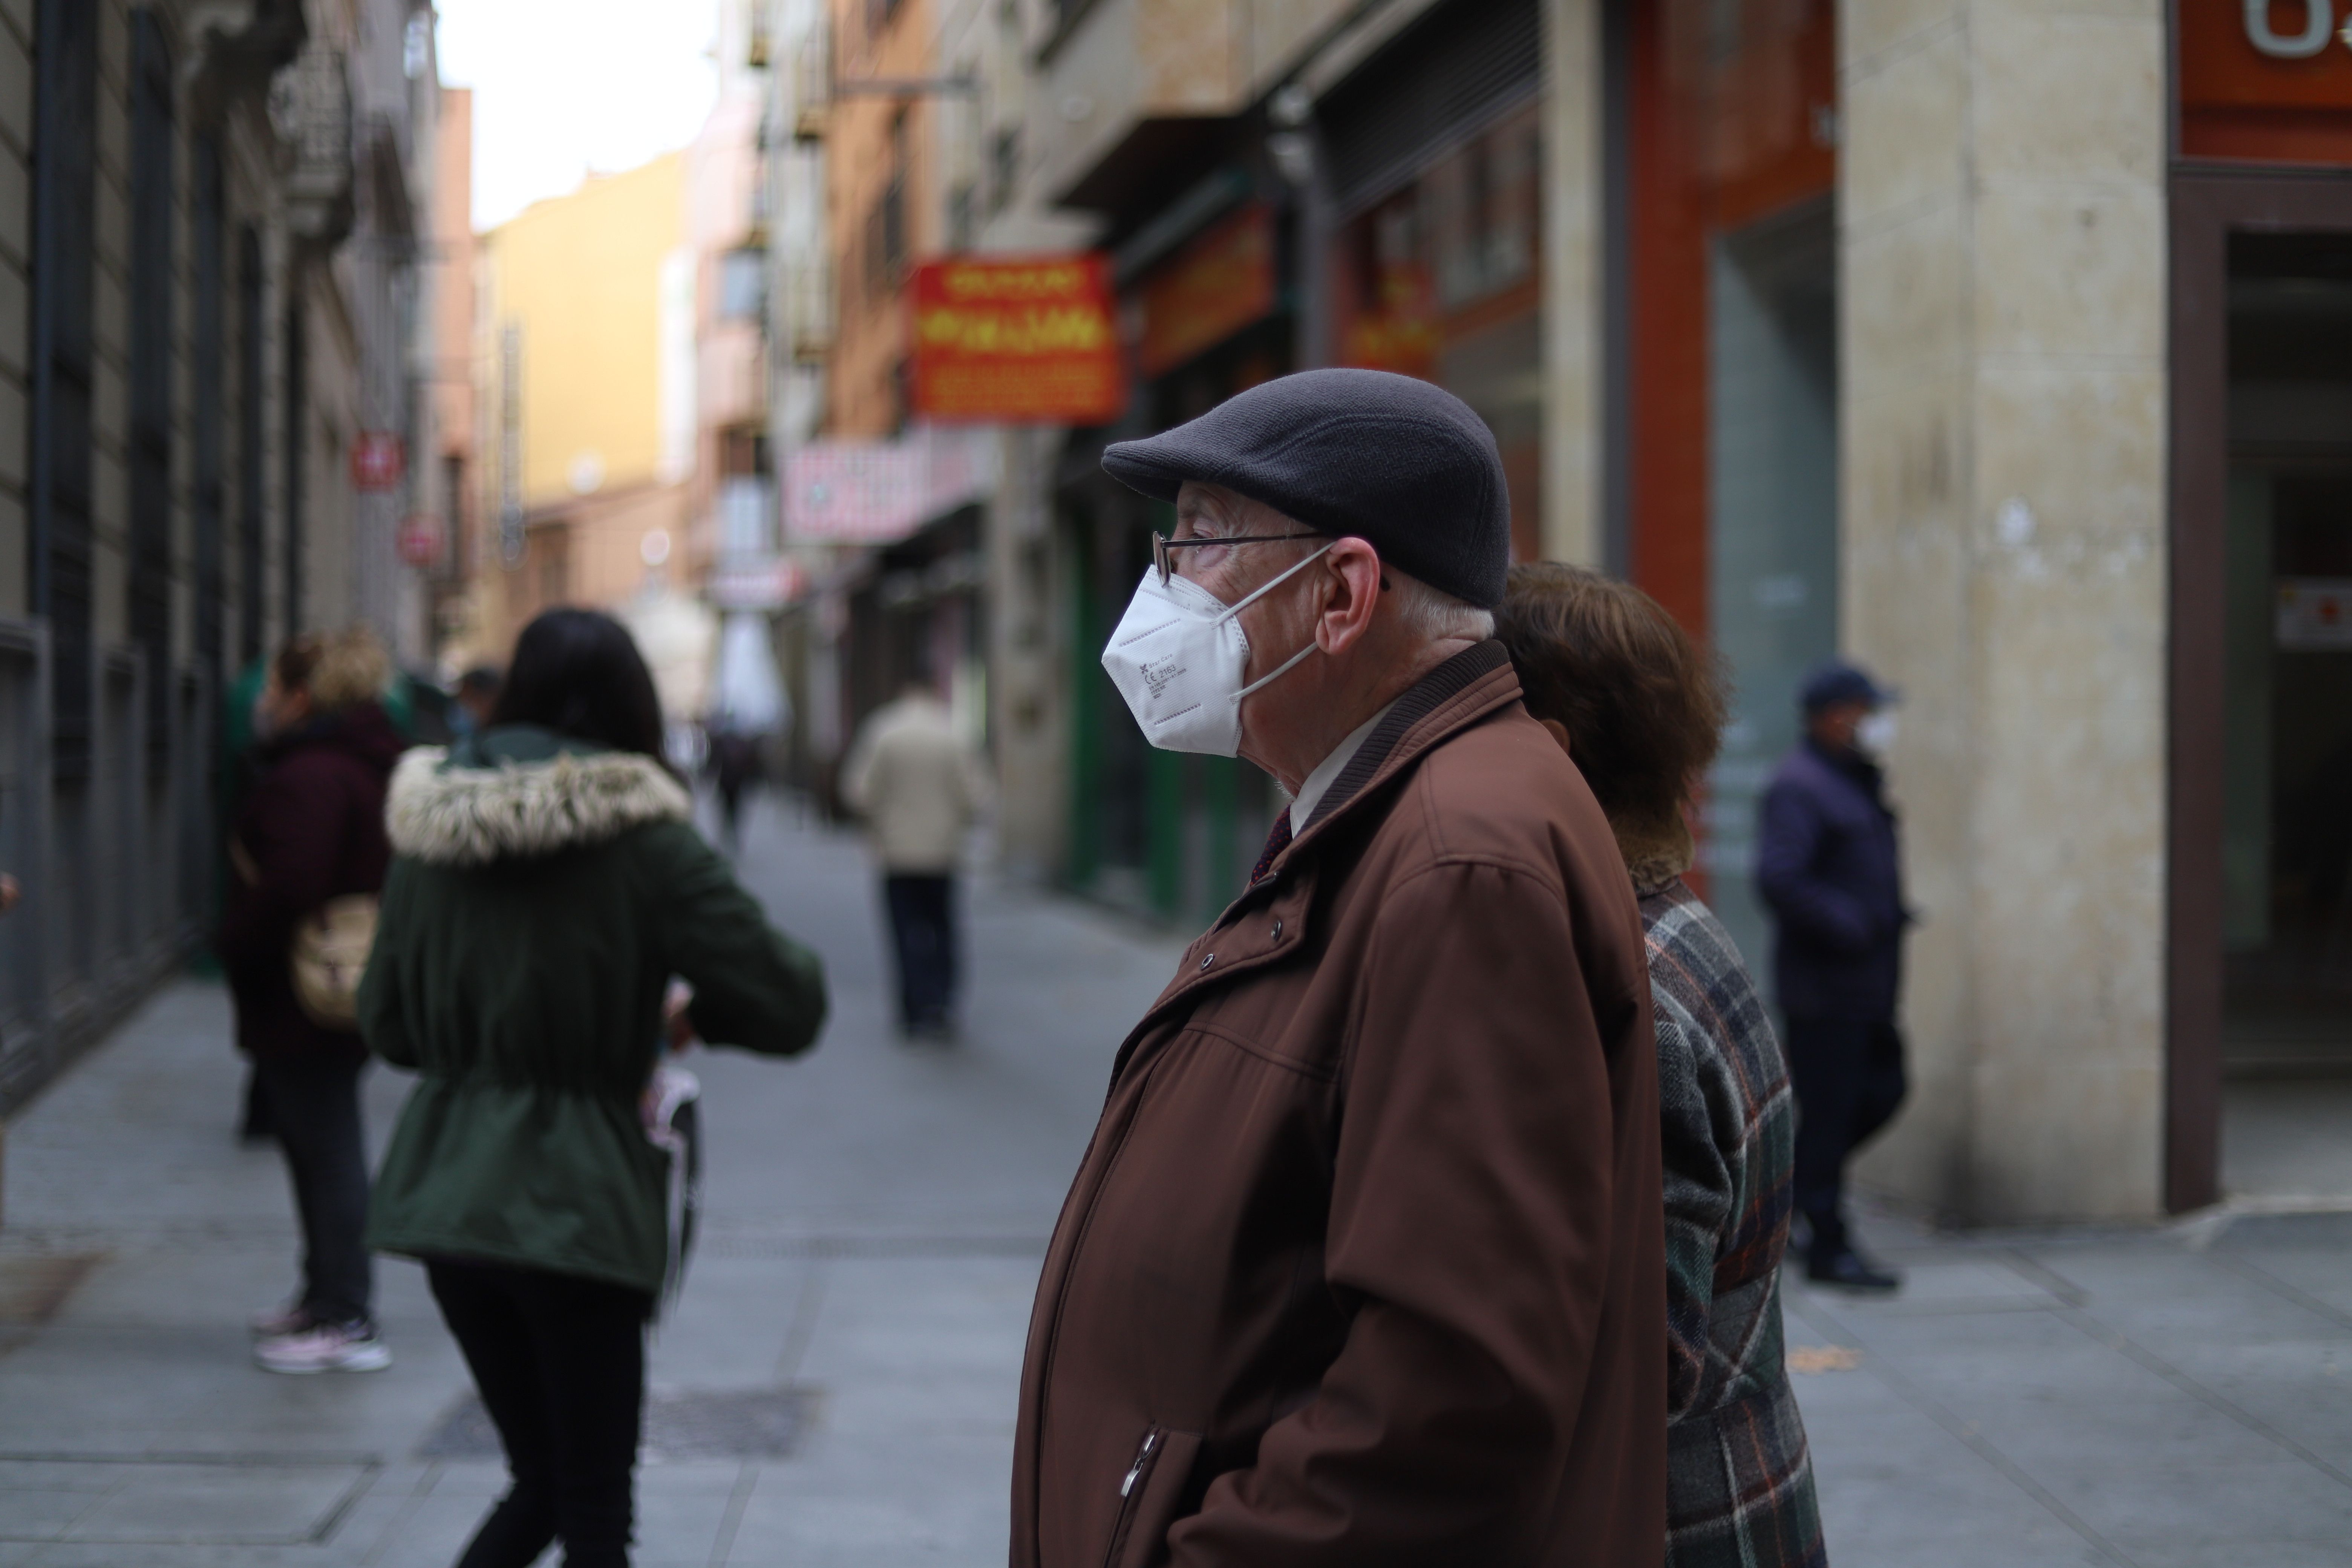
(1827, 866)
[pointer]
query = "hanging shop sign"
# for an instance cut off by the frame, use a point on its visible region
(1220, 283)
(1017, 340)
(875, 492)
(378, 460)
(2266, 80)
(419, 540)
(757, 583)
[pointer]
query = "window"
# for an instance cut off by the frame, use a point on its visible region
(294, 408)
(743, 284)
(65, 144)
(963, 217)
(1006, 152)
(207, 340)
(251, 632)
(151, 368)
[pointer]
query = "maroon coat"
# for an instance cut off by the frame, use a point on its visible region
(312, 828)
(1365, 1266)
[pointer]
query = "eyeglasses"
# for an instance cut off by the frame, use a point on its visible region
(1165, 563)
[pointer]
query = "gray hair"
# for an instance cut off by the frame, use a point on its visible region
(1431, 614)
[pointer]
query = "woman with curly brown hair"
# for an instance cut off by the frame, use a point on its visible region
(310, 844)
(1639, 706)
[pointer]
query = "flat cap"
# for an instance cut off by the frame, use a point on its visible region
(1404, 465)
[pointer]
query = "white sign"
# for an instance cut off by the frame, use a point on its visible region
(2315, 613)
(877, 492)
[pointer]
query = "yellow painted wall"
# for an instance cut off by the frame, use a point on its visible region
(582, 274)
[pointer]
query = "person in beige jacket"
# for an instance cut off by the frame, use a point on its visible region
(918, 787)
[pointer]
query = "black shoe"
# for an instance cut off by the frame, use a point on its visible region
(1849, 1271)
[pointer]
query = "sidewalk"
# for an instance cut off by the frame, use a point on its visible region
(837, 1387)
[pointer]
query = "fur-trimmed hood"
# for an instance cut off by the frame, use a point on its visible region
(1656, 855)
(458, 816)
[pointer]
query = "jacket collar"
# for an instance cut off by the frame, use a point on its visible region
(1270, 918)
(1467, 687)
(518, 792)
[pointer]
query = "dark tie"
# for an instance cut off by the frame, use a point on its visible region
(1276, 841)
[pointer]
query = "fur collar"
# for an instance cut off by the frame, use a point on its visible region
(470, 816)
(1656, 854)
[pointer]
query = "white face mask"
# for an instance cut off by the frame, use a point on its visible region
(1875, 734)
(1178, 657)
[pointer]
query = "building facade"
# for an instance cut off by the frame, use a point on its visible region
(209, 230)
(585, 406)
(1995, 344)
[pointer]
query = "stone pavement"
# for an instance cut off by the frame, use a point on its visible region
(878, 1213)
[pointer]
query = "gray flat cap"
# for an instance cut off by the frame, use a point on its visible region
(1395, 461)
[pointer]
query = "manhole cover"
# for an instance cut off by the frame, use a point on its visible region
(734, 1424)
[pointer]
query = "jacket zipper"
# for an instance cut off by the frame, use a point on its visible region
(1131, 1492)
(1142, 1461)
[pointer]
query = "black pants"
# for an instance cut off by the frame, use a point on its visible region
(561, 1365)
(312, 1108)
(1848, 1077)
(922, 922)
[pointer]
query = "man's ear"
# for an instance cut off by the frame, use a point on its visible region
(1558, 733)
(1347, 614)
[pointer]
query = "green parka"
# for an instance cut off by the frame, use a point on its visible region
(542, 895)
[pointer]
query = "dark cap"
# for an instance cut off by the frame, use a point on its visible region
(1394, 461)
(1838, 682)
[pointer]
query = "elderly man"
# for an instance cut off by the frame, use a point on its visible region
(1365, 1263)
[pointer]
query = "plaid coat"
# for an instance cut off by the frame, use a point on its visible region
(1740, 1479)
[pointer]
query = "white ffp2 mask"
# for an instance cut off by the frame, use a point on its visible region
(1178, 657)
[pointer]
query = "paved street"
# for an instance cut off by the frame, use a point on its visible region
(837, 1386)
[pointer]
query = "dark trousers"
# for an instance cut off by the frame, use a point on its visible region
(1848, 1078)
(561, 1365)
(312, 1105)
(922, 924)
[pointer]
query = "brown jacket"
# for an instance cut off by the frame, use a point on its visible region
(1365, 1264)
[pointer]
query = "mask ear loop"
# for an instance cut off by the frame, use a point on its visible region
(1291, 662)
(1270, 583)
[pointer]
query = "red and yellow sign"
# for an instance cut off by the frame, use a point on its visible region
(2270, 82)
(1216, 286)
(1018, 339)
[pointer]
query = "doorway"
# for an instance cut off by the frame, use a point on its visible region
(2260, 1049)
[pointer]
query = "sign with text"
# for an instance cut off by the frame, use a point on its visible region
(874, 493)
(2315, 614)
(378, 459)
(1215, 286)
(1017, 340)
(419, 540)
(2266, 80)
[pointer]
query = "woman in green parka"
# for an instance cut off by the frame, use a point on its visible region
(546, 885)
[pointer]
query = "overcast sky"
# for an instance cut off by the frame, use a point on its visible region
(564, 86)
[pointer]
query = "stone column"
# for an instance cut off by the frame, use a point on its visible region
(1572, 526)
(2001, 323)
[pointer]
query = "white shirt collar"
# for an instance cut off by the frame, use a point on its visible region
(1319, 782)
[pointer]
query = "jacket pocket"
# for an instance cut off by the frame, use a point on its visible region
(1151, 1492)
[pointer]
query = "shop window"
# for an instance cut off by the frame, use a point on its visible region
(743, 284)
(1728, 275)
(2286, 743)
(1442, 280)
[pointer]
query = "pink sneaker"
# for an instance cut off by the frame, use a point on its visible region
(279, 1322)
(325, 1347)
